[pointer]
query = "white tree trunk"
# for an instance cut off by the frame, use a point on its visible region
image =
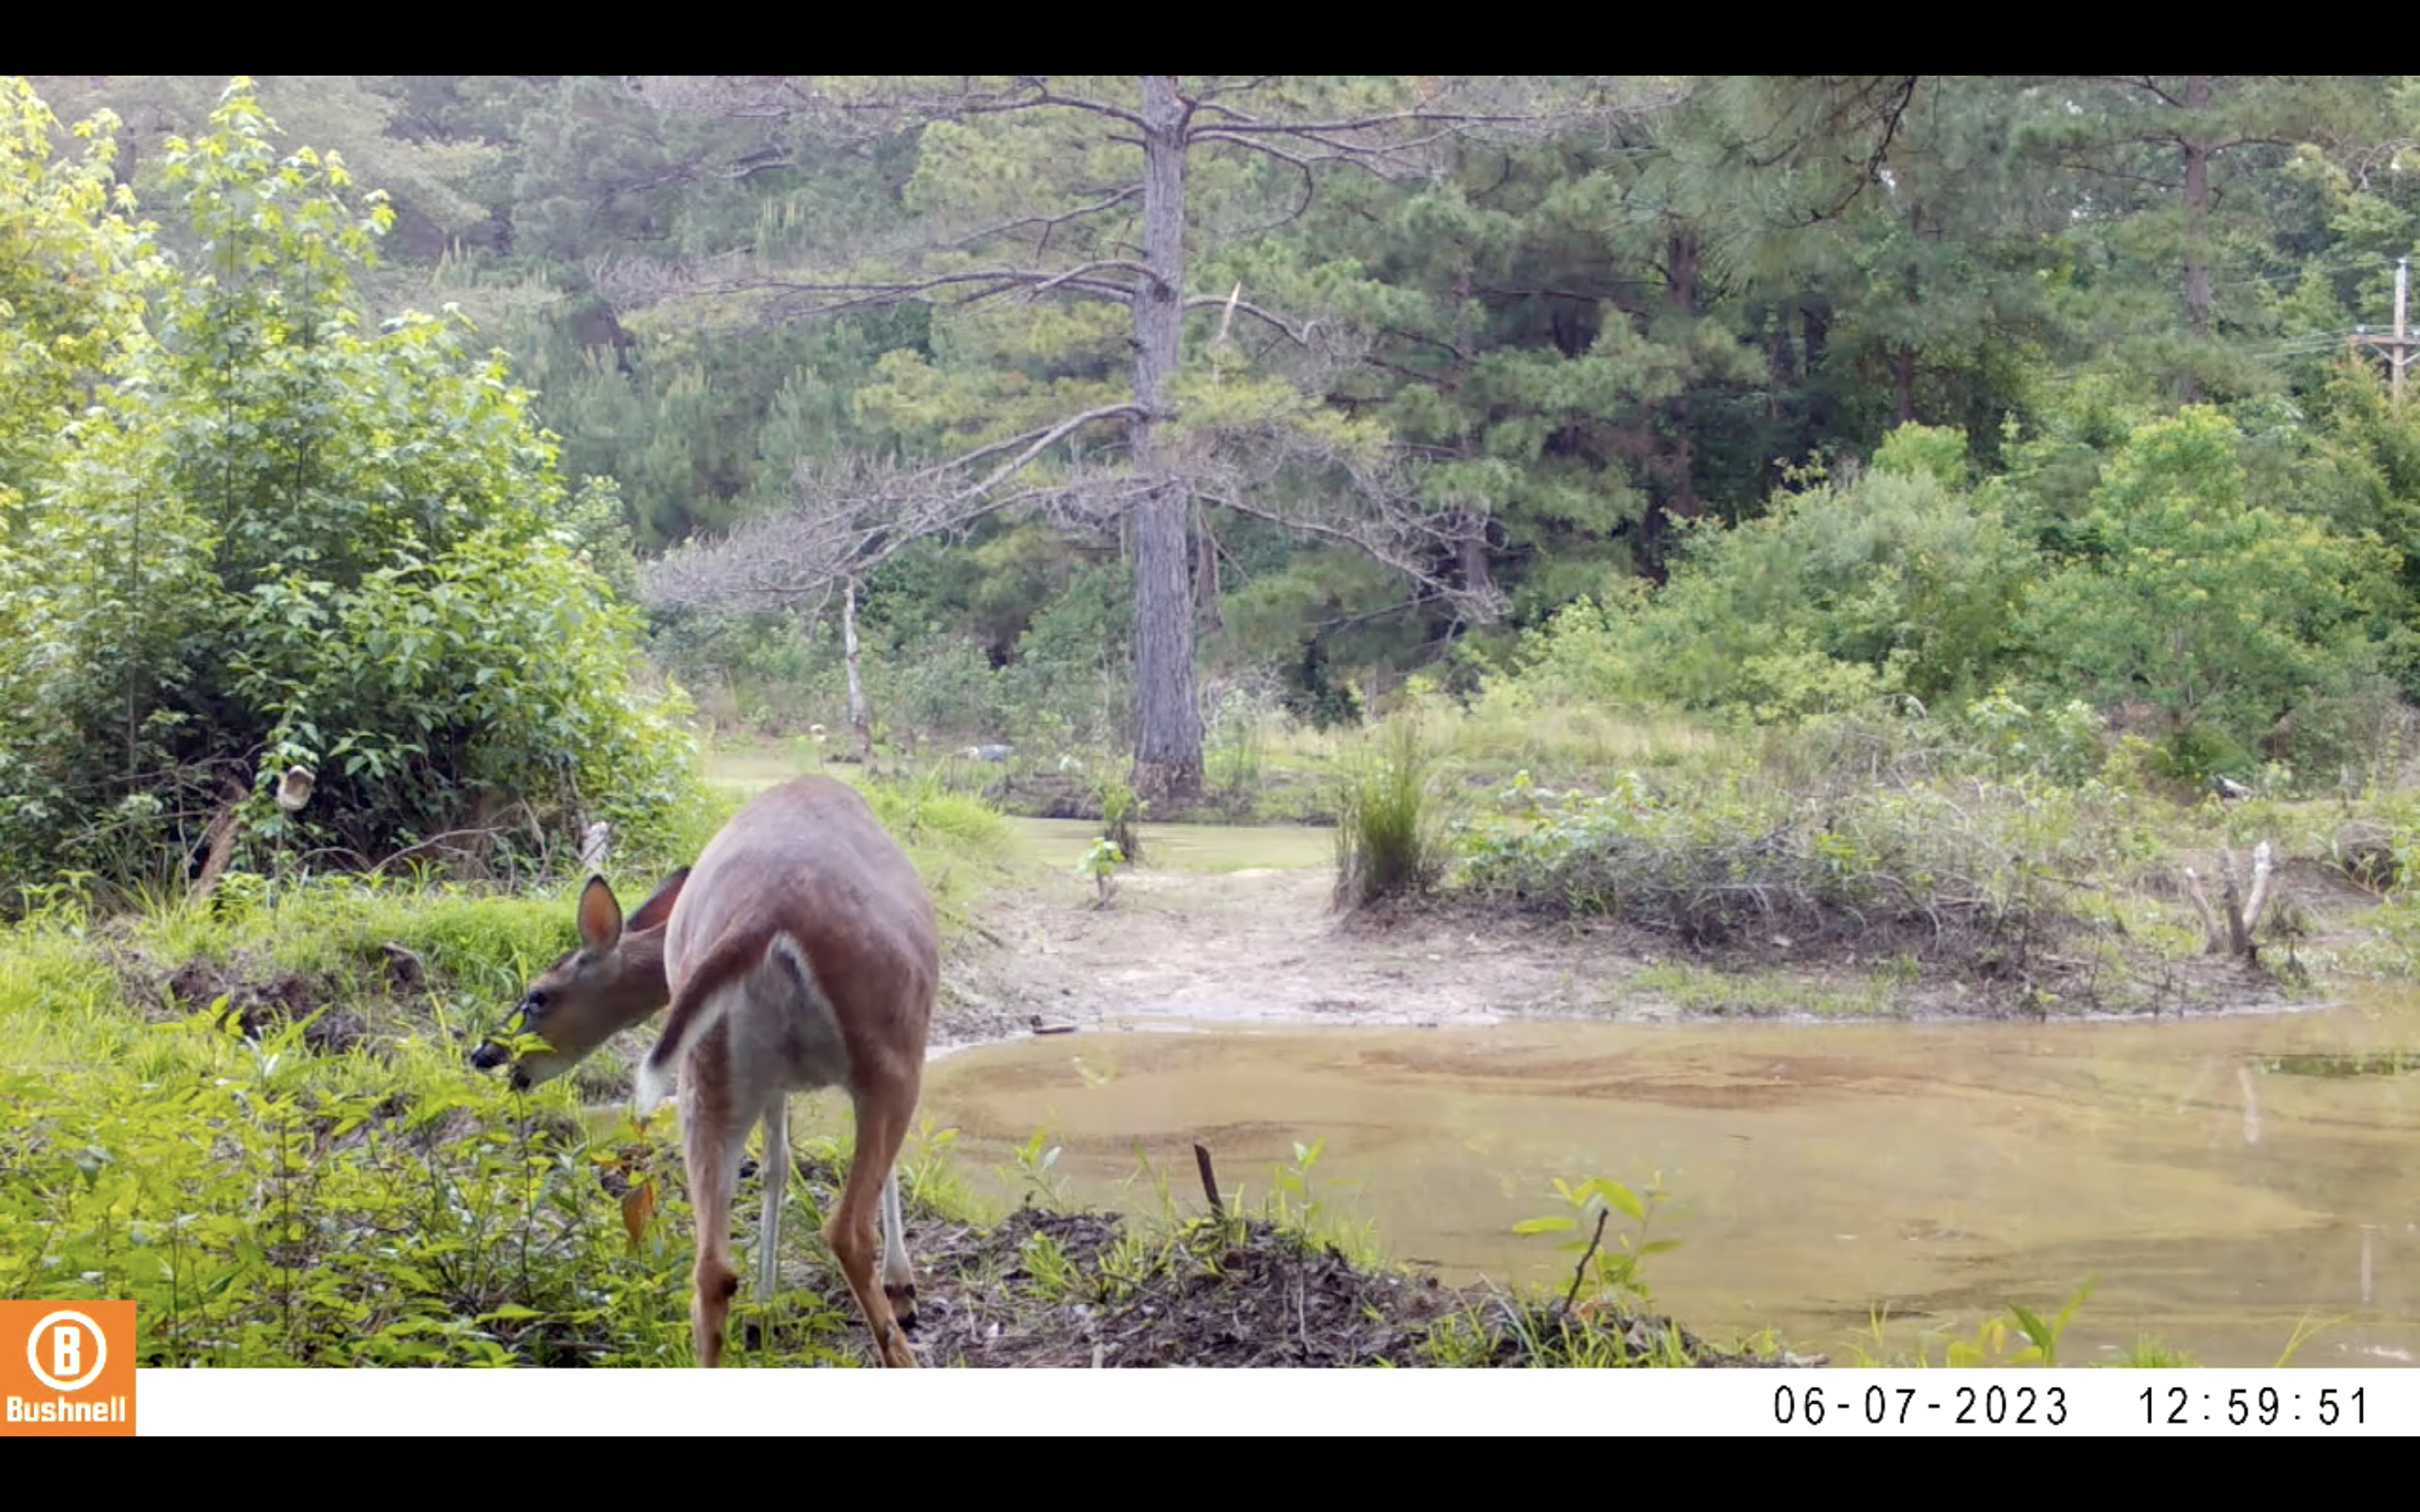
(860, 723)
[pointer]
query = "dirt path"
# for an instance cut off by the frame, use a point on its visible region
(1263, 944)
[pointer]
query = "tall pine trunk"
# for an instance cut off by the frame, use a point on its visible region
(2197, 153)
(1168, 720)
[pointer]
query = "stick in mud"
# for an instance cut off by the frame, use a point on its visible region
(1209, 1181)
(1579, 1272)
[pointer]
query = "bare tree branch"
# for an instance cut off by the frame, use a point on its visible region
(785, 96)
(853, 516)
(635, 282)
(1370, 161)
(1240, 124)
(1298, 334)
(1048, 223)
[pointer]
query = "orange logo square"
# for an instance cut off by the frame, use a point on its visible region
(67, 1369)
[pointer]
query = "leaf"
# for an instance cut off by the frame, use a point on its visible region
(638, 1205)
(1619, 1198)
(1543, 1225)
(2068, 1312)
(2035, 1329)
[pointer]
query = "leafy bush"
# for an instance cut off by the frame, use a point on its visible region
(275, 540)
(1894, 583)
(257, 1219)
(2240, 626)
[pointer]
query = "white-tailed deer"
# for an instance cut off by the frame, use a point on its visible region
(799, 952)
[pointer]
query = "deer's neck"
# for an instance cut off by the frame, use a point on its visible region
(640, 988)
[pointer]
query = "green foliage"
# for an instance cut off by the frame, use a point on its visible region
(74, 273)
(1814, 846)
(1987, 1347)
(1236, 746)
(267, 1204)
(2042, 1338)
(1101, 863)
(277, 541)
(1120, 811)
(1838, 596)
(1037, 1165)
(2067, 744)
(1937, 452)
(1606, 1275)
(2231, 619)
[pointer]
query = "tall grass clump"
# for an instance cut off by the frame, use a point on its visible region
(1390, 836)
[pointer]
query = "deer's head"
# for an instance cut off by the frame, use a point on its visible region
(613, 980)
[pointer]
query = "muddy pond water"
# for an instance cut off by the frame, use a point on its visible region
(2222, 1180)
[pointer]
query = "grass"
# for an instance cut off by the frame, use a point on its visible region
(267, 1205)
(1389, 835)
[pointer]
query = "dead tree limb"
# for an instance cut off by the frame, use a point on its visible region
(2263, 872)
(2231, 898)
(220, 834)
(2231, 929)
(2210, 937)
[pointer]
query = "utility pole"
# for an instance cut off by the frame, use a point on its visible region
(2398, 345)
(2401, 353)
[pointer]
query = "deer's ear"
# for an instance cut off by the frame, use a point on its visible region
(659, 908)
(600, 917)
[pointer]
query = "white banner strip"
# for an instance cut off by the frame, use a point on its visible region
(2066, 1403)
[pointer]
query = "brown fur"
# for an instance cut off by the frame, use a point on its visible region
(612, 981)
(807, 861)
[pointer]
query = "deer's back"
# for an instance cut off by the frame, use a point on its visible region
(810, 857)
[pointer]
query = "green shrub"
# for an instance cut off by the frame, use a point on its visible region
(273, 540)
(2251, 631)
(1895, 582)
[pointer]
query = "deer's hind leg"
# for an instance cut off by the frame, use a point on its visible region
(714, 1125)
(898, 1267)
(775, 1174)
(882, 1115)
